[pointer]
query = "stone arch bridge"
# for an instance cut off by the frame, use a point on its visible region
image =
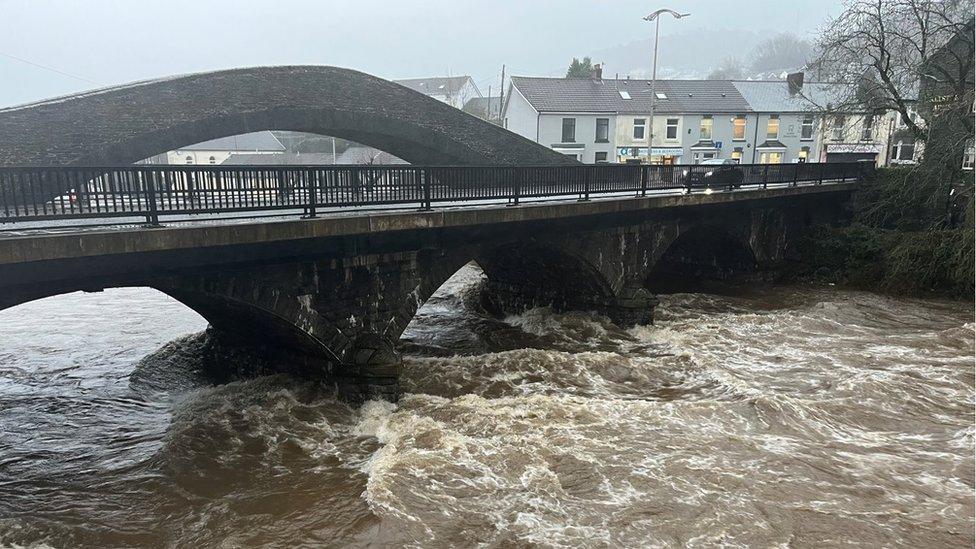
(125, 124)
(335, 293)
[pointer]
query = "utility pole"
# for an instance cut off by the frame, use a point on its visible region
(501, 98)
(657, 31)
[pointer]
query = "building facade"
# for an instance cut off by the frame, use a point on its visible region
(752, 122)
(456, 91)
(218, 151)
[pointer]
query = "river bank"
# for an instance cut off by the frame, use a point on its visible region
(910, 234)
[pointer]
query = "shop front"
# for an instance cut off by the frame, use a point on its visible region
(659, 155)
(853, 152)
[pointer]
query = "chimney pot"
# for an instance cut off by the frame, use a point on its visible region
(794, 82)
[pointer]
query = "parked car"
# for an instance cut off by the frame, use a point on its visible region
(715, 172)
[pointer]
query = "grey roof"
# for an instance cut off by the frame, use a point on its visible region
(774, 95)
(257, 141)
(682, 96)
(485, 107)
(589, 95)
(437, 85)
(278, 159)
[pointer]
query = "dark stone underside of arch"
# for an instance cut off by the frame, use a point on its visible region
(704, 255)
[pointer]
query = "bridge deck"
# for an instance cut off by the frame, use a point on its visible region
(52, 242)
(33, 194)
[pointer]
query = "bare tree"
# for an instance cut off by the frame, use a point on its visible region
(729, 69)
(884, 47)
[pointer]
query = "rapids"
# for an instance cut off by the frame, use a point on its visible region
(774, 417)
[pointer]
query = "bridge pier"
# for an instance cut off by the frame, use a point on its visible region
(633, 306)
(370, 370)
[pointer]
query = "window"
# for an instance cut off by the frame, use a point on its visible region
(969, 157)
(569, 130)
(624, 94)
(574, 156)
(867, 128)
(639, 124)
(804, 156)
(837, 133)
(737, 155)
(705, 129)
(671, 130)
(772, 127)
(602, 130)
(213, 159)
(739, 128)
(806, 127)
(601, 158)
(660, 95)
(189, 159)
(771, 158)
(903, 152)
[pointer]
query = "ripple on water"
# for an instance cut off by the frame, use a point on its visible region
(790, 417)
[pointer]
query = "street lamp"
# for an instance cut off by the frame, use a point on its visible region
(655, 16)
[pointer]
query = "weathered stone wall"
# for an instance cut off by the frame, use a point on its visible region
(337, 304)
(124, 124)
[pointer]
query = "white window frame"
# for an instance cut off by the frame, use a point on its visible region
(710, 126)
(837, 130)
(737, 118)
(642, 124)
(667, 128)
(562, 130)
(804, 125)
(596, 133)
(769, 124)
(867, 128)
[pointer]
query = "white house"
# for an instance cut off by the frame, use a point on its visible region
(598, 120)
(453, 90)
(217, 151)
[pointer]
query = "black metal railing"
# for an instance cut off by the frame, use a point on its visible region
(152, 192)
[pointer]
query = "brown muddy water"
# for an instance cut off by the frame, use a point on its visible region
(787, 417)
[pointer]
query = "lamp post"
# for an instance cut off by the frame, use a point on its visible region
(655, 16)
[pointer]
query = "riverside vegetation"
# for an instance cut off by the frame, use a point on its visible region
(911, 233)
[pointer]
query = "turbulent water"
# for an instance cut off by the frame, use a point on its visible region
(790, 417)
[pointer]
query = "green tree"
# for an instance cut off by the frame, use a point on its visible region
(580, 69)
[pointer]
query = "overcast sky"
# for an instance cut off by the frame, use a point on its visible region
(105, 42)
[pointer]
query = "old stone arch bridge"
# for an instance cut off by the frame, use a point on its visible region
(333, 293)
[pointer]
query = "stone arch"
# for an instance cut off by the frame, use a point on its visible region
(702, 252)
(124, 124)
(267, 331)
(527, 274)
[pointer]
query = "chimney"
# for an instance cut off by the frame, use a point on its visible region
(597, 72)
(794, 82)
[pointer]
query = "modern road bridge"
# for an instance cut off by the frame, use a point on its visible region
(344, 256)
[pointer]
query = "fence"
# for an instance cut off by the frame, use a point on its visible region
(151, 192)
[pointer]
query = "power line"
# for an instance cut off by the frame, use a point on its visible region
(52, 69)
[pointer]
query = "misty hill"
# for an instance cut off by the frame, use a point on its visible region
(699, 53)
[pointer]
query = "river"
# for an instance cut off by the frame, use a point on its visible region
(776, 417)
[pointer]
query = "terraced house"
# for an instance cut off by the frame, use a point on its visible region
(607, 120)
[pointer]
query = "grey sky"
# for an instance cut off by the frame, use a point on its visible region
(115, 41)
